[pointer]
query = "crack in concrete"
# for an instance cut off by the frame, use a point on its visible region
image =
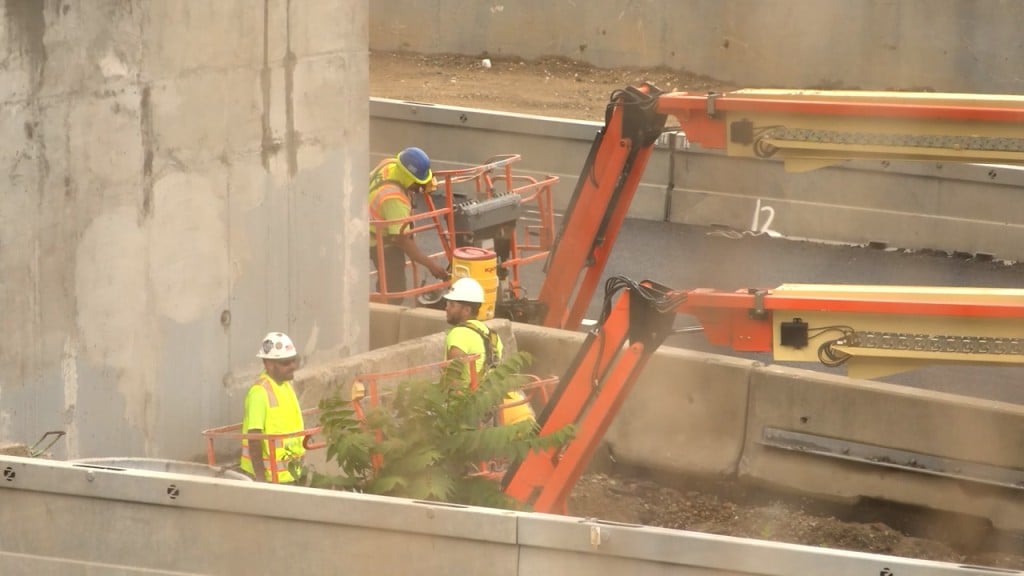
(146, 132)
(267, 147)
(26, 26)
(291, 137)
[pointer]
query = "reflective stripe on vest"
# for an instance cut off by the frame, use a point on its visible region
(384, 187)
(390, 191)
(271, 395)
(271, 402)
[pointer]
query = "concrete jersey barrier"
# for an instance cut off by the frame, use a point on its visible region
(709, 415)
(112, 520)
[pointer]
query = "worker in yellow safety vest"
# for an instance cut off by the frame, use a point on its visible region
(271, 407)
(469, 336)
(393, 183)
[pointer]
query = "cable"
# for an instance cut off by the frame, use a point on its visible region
(831, 357)
(660, 300)
(827, 354)
(762, 148)
(845, 330)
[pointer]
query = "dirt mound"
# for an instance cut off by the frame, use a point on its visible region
(731, 510)
(549, 87)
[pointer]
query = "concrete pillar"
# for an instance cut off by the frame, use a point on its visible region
(180, 177)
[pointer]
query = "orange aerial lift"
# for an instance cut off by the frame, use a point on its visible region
(488, 202)
(874, 330)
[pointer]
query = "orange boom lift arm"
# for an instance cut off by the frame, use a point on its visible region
(805, 129)
(874, 330)
(635, 320)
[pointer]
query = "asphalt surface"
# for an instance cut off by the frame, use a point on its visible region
(686, 257)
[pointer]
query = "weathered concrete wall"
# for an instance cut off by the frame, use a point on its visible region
(180, 177)
(940, 45)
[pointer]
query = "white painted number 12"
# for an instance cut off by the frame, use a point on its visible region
(765, 228)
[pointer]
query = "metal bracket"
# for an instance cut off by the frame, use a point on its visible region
(758, 312)
(35, 450)
(906, 460)
(709, 105)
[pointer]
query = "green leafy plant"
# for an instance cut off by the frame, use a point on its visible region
(432, 439)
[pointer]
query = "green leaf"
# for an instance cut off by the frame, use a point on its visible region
(387, 485)
(433, 437)
(431, 484)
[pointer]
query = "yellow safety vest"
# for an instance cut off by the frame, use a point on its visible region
(283, 416)
(475, 337)
(383, 187)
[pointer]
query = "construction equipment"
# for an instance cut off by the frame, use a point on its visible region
(484, 203)
(875, 330)
(872, 330)
(595, 386)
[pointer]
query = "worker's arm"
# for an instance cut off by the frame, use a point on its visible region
(454, 352)
(408, 245)
(254, 422)
(256, 456)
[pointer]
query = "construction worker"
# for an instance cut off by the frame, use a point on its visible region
(393, 183)
(469, 336)
(271, 407)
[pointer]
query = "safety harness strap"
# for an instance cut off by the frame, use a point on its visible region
(489, 360)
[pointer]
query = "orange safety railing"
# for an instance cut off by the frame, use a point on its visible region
(367, 394)
(536, 390)
(480, 182)
(234, 432)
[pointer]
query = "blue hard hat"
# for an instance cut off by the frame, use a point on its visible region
(417, 163)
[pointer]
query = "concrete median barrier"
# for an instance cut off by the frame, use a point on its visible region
(417, 322)
(123, 512)
(196, 519)
(911, 205)
(686, 415)
(844, 439)
(384, 323)
(390, 324)
(819, 435)
(553, 350)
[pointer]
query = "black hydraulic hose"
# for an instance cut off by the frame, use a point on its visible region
(671, 186)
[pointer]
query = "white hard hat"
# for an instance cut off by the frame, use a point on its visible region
(276, 346)
(466, 290)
